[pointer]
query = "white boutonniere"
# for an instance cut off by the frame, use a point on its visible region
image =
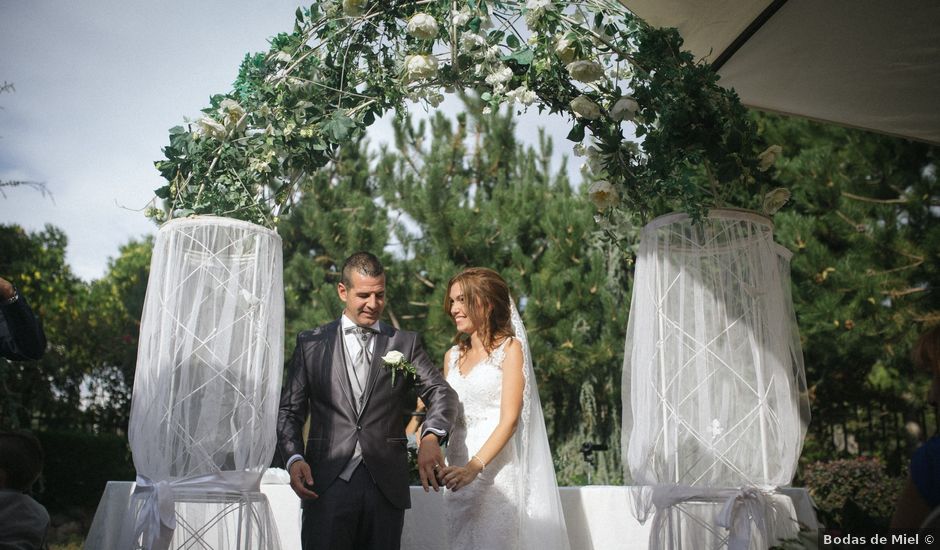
(395, 361)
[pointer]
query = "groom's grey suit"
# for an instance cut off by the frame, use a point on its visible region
(318, 383)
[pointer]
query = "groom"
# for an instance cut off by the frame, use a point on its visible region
(353, 476)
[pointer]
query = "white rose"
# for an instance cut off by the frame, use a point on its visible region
(624, 72)
(767, 159)
(625, 108)
(499, 76)
(564, 49)
(522, 95)
(472, 41)
(232, 115)
(282, 57)
(774, 200)
(603, 195)
(534, 10)
(493, 53)
(435, 99)
(585, 71)
(418, 67)
(422, 26)
(585, 108)
(393, 357)
(353, 8)
(209, 127)
(231, 107)
(487, 110)
(461, 18)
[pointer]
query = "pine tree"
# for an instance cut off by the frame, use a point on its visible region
(866, 242)
(473, 196)
(336, 216)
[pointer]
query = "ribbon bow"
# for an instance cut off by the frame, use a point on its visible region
(741, 507)
(157, 515)
(156, 519)
(736, 515)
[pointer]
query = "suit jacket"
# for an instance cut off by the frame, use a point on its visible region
(21, 334)
(317, 383)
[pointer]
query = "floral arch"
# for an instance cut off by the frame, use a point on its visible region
(349, 62)
(346, 63)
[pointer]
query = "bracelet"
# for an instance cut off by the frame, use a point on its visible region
(482, 464)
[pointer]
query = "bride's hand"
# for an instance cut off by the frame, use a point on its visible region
(456, 477)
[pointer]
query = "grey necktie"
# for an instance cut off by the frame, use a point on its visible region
(359, 375)
(361, 362)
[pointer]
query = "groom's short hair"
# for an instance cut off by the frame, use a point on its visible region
(364, 263)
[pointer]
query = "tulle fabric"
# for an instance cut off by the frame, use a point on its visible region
(202, 424)
(714, 387)
(713, 379)
(541, 518)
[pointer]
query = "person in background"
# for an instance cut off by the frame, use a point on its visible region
(921, 492)
(23, 521)
(413, 429)
(21, 335)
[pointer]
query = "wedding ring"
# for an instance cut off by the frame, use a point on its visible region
(436, 466)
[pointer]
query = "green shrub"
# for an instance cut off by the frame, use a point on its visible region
(853, 494)
(77, 467)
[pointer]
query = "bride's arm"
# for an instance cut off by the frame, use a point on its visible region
(510, 408)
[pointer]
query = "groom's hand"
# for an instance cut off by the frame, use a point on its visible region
(430, 461)
(300, 479)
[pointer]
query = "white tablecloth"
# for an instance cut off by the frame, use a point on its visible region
(598, 517)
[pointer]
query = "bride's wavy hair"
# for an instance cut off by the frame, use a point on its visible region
(489, 306)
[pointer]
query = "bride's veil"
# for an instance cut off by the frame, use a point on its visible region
(541, 520)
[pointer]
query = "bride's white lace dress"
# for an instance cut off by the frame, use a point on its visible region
(482, 515)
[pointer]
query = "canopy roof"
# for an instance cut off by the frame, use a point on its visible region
(873, 64)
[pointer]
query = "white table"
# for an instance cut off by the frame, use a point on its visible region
(598, 517)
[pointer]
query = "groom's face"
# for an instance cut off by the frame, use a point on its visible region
(364, 298)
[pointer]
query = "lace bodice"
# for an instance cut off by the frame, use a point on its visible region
(479, 391)
(484, 513)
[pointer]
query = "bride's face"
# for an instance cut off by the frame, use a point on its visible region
(460, 310)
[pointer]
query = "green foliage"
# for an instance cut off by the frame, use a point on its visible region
(866, 242)
(334, 218)
(347, 63)
(91, 330)
(120, 293)
(855, 494)
(460, 193)
(35, 263)
(79, 465)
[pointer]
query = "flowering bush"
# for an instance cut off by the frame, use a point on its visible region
(852, 493)
(348, 62)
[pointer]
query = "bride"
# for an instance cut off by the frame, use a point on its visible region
(500, 476)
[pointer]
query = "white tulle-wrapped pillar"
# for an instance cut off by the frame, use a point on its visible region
(202, 424)
(714, 390)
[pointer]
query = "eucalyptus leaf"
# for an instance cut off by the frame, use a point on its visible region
(577, 133)
(339, 126)
(522, 57)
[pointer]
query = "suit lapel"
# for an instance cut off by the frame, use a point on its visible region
(341, 373)
(375, 368)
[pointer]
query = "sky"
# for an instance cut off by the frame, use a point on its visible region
(98, 84)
